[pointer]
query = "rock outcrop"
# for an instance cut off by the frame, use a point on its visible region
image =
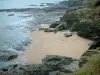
(37, 69)
(7, 55)
(61, 63)
(51, 65)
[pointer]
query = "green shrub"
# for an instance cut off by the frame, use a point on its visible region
(92, 67)
(93, 3)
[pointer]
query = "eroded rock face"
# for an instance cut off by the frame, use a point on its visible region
(7, 55)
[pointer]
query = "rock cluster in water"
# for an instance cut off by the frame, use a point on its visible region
(7, 55)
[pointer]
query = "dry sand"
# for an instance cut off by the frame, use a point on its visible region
(55, 44)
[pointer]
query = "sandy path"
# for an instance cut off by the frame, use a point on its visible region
(55, 44)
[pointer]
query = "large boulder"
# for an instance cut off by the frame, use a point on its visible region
(68, 34)
(55, 62)
(7, 55)
(44, 26)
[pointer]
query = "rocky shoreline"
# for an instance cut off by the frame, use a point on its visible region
(51, 65)
(47, 9)
(11, 55)
(85, 21)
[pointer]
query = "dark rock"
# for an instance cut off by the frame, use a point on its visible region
(9, 67)
(32, 5)
(54, 25)
(11, 15)
(95, 45)
(43, 27)
(55, 62)
(54, 73)
(52, 65)
(7, 55)
(37, 69)
(42, 5)
(87, 35)
(4, 70)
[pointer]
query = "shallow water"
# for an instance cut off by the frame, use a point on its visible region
(15, 30)
(12, 30)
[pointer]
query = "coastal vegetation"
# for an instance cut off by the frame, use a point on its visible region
(92, 67)
(86, 22)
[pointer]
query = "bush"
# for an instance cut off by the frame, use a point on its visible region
(92, 67)
(93, 3)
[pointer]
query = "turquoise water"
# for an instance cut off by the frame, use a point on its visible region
(7, 4)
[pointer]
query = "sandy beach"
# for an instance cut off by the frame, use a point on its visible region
(55, 44)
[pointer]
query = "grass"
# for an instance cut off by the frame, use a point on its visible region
(92, 67)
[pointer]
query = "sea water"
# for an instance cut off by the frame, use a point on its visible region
(15, 29)
(8, 4)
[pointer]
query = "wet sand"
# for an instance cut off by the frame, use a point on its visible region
(55, 44)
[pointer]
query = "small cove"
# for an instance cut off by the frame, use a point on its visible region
(55, 44)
